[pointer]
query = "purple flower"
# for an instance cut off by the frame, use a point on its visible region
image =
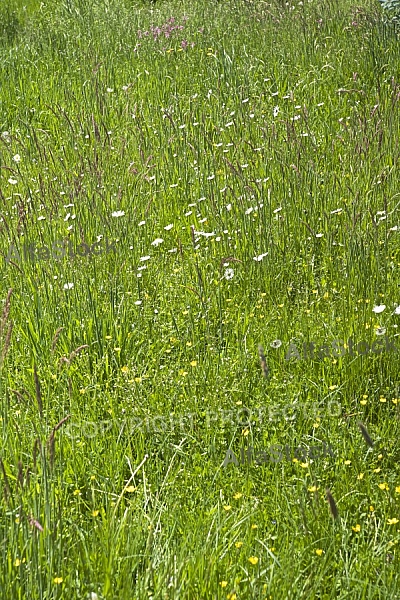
(184, 44)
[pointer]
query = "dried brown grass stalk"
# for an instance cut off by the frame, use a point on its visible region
(365, 434)
(55, 338)
(7, 491)
(6, 311)
(75, 352)
(264, 366)
(51, 442)
(332, 504)
(6, 343)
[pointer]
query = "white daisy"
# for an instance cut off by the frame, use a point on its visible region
(68, 286)
(17, 158)
(168, 227)
(142, 258)
(118, 213)
(138, 302)
(379, 309)
(397, 311)
(276, 344)
(157, 242)
(12, 181)
(229, 273)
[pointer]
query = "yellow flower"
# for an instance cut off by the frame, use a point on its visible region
(58, 580)
(397, 490)
(383, 486)
(238, 544)
(189, 344)
(117, 349)
(395, 400)
(238, 495)
(95, 513)
(223, 583)
(363, 402)
(17, 562)
(377, 470)
(381, 399)
(253, 560)
(77, 493)
(319, 551)
(356, 528)
(313, 488)
(227, 507)
(138, 379)
(332, 387)
(371, 508)
(393, 521)
(125, 369)
(304, 465)
(108, 337)
(347, 462)
(245, 432)
(254, 526)
(193, 363)
(360, 476)
(130, 488)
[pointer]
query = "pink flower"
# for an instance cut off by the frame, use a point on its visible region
(184, 44)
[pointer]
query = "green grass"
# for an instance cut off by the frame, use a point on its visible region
(275, 129)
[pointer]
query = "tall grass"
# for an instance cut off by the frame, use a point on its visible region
(239, 161)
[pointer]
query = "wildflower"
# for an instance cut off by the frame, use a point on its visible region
(95, 513)
(379, 309)
(138, 302)
(227, 507)
(141, 223)
(130, 489)
(260, 257)
(319, 551)
(360, 476)
(58, 580)
(68, 286)
(380, 331)
(110, 90)
(393, 521)
(239, 495)
(276, 111)
(193, 363)
(383, 486)
(223, 584)
(143, 258)
(238, 544)
(313, 488)
(253, 560)
(229, 273)
(357, 528)
(157, 242)
(17, 158)
(276, 344)
(17, 562)
(397, 310)
(168, 227)
(12, 181)
(118, 213)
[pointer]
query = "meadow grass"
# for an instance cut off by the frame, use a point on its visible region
(242, 160)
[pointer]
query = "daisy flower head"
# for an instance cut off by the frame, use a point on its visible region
(229, 274)
(276, 344)
(378, 309)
